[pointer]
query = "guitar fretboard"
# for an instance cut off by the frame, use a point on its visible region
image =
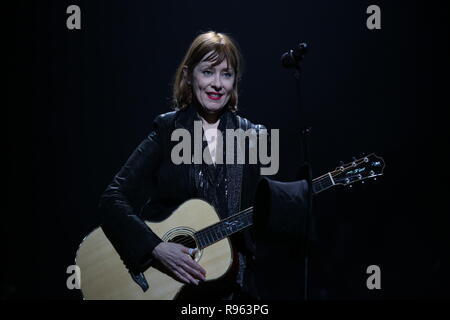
(224, 228)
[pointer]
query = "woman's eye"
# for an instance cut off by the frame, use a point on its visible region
(227, 74)
(207, 72)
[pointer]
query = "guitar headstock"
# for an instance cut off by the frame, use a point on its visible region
(367, 167)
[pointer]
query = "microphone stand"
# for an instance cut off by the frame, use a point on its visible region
(292, 60)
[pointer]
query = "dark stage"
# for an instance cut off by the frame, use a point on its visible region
(80, 101)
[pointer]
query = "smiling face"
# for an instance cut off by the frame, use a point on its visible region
(212, 86)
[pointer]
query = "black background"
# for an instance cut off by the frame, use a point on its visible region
(79, 102)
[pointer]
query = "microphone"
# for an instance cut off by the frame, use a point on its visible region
(291, 58)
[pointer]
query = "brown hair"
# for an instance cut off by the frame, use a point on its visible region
(223, 47)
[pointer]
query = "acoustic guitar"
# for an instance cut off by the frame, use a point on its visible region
(194, 224)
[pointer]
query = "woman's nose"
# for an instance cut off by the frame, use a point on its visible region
(217, 83)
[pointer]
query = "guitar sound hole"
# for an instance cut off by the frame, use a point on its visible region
(186, 241)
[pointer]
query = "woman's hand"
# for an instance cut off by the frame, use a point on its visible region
(175, 257)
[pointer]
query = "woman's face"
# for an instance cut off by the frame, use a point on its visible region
(212, 85)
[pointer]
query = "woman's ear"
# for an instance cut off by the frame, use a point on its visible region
(186, 74)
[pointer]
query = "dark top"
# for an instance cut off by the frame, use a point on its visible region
(150, 186)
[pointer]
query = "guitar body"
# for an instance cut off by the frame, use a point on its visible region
(104, 276)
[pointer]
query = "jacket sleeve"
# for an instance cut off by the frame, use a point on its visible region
(123, 199)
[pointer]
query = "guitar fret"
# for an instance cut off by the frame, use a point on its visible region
(321, 183)
(210, 236)
(205, 242)
(224, 231)
(208, 233)
(205, 238)
(199, 238)
(227, 231)
(331, 179)
(213, 234)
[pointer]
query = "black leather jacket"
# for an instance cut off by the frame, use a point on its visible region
(150, 186)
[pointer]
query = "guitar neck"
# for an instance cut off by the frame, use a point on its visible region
(235, 223)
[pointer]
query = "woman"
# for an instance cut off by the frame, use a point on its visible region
(151, 186)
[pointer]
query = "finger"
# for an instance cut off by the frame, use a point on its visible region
(190, 261)
(187, 275)
(175, 269)
(181, 274)
(196, 273)
(185, 249)
(193, 264)
(189, 251)
(180, 277)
